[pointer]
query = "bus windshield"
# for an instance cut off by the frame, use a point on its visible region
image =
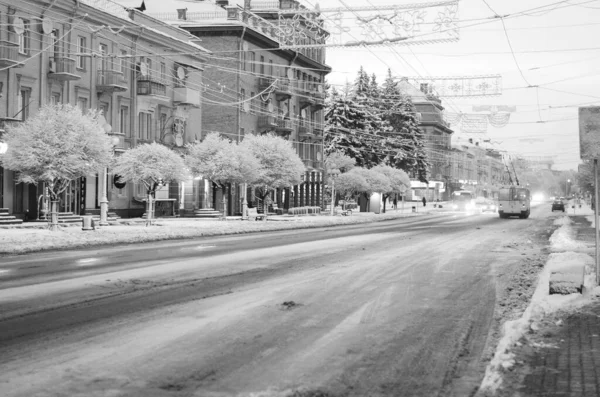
(513, 194)
(462, 196)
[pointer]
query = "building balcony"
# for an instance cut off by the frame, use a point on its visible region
(151, 86)
(186, 96)
(9, 55)
(109, 81)
(265, 83)
(318, 132)
(63, 69)
(319, 100)
(6, 121)
(308, 163)
(284, 126)
(306, 99)
(283, 90)
(267, 122)
(305, 132)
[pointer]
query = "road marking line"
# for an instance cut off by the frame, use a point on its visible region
(201, 247)
(86, 261)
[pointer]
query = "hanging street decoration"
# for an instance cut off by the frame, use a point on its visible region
(460, 86)
(474, 123)
(400, 24)
(495, 108)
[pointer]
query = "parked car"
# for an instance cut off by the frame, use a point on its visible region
(558, 205)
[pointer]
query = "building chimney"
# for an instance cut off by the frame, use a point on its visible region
(182, 14)
(222, 3)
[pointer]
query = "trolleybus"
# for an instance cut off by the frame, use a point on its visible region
(513, 201)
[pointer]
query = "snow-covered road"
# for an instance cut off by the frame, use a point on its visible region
(375, 309)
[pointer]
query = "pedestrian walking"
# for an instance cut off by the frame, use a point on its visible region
(424, 202)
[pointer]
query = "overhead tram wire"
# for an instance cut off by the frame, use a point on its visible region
(153, 54)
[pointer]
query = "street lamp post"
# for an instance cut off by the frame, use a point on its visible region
(104, 181)
(567, 187)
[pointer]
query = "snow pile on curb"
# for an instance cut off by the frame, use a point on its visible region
(542, 303)
(562, 239)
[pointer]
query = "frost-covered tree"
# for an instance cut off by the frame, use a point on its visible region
(347, 129)
(335, 164)
(279, 165)
(222, 162)
(351, 183)
(376, 181)
(153, 165)
(399, 181)
(57, 146)
(405, 140)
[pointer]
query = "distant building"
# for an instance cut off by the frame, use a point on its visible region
(438, 136)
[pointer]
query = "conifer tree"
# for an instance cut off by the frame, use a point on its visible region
(346, 128)
(405, 140)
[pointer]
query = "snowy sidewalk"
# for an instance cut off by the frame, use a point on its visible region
(23, 240)
(554, 348)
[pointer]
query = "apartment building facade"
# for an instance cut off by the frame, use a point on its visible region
(253, 86)
(98, 55)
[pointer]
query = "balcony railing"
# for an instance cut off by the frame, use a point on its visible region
(265, 83)
(63, 69)
(319, 100)
(284, 125)
(308, 163)
(110, 81)
(305, 132)
(6, 121)
(9, 54)
(151, 86)
(267, 122)
(283, 89)
(186, 96)
(318, 132)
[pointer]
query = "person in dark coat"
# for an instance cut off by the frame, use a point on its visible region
(424, 201)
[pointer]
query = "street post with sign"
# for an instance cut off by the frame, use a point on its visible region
(589, 149)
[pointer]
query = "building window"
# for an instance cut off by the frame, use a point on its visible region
(25, 39)
(81, 49)
(243, 100)
(252, 103)
(124, 64)
(262, 66)
(55, 42)
(55, 99)
(145, 126)
(163, 72)
(82, 103)
(23, 101)
(244, 67)
(252, 62)
(124, 121)
(271, 67)
(104, 60)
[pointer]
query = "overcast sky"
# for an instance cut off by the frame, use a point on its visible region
(556, 49)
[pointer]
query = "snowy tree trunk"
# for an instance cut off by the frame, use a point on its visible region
(384, 200)
(332, 196)
(54, 215)
(265, 207)
(149, 211)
